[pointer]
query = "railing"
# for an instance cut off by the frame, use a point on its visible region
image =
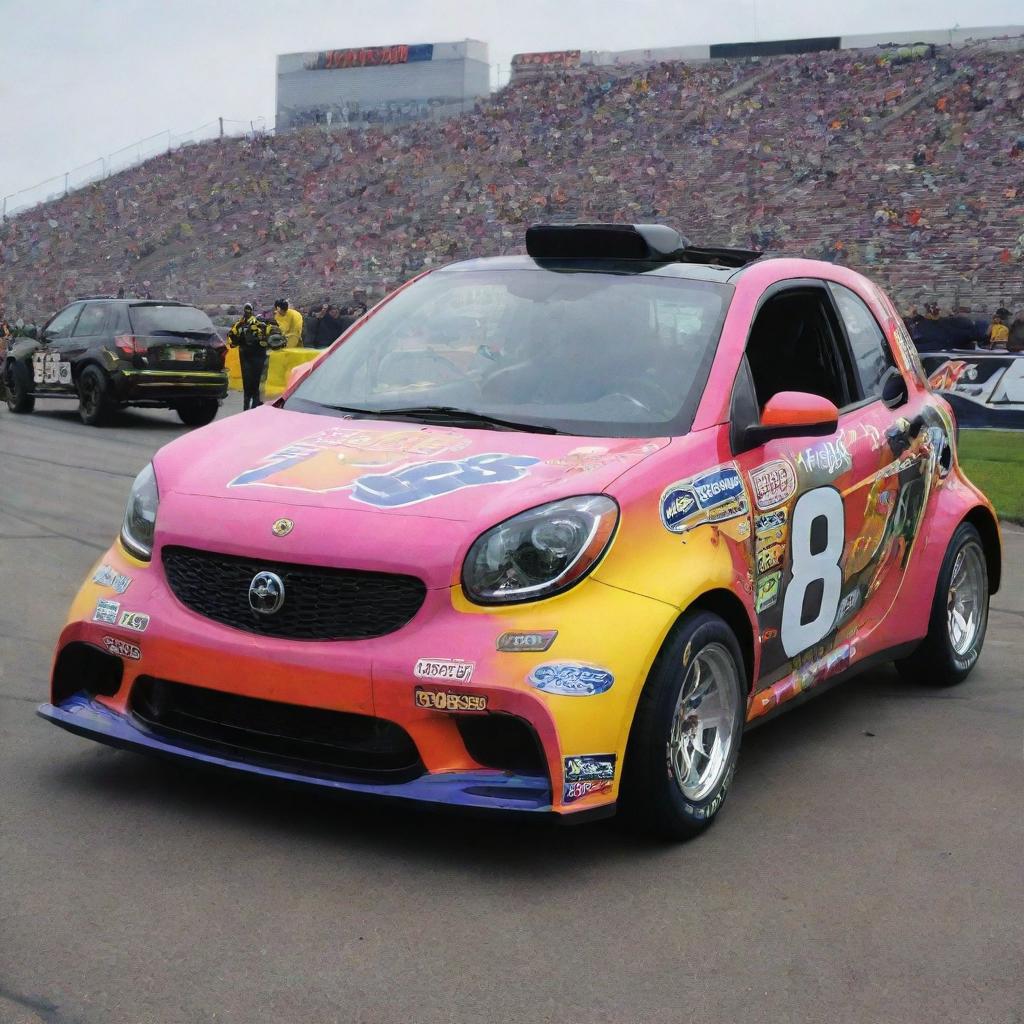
(125, 158)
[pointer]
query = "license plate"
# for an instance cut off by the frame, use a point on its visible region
(180, 355)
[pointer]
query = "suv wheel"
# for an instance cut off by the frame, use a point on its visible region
(19, 388)
(197, 412)
(686, 735)
(94, 405)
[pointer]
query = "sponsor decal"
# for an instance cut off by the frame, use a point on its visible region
(584, 767)
(848, 605)
(571, 678)
(442, 700)
(107, 576)
(769, 557)
(769, 634)
(830, 457)
(48, 368)
(773, 483)
(106, 611)
(134, 620)
(707, 498)
(770, 523)
(538, 640)
(573, 791)
(767, 591)
(433, 479)
(454, 671)
(122, 648)
(334, 459)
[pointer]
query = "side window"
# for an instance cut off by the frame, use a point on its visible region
(792, 347)
(870, 350)
(93, 320)
(60, 326)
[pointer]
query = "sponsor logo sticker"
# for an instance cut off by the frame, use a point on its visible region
(770, 523)
(773, 483)
(573, 791)
(538, 640)
(571, 678)
(106, 611)
(107, 576)
(582, 767)
(768, 591)
(848, 605)
(442, 700)
(769, 557)
(134, 620)
(439, 668)
(122, 648)
(830, 457)
(706, 498)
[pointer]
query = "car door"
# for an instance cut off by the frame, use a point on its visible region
(809, 493)
(51, 371)
(91, 331)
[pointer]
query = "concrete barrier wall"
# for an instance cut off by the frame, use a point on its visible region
(280, 364)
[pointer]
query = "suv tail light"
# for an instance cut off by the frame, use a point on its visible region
(127, 344)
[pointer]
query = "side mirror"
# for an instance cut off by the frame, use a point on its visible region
(793, 414)
(894, 388)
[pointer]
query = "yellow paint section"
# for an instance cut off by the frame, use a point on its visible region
(280, 364)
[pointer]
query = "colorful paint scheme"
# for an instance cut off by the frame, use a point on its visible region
(800, 546)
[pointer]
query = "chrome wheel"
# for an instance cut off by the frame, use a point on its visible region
(704, 722)
(966, 603)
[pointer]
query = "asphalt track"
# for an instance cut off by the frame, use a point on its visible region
(868, 865)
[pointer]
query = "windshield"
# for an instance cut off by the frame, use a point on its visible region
(155, 319)
(611, 355)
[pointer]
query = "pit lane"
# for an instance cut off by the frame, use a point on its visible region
(867, 865)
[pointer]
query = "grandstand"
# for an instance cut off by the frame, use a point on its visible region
(908, 166)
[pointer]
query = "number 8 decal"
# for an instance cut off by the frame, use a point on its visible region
(822, 506)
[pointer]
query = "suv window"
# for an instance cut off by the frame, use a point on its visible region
(93, 320)
(793, 347)
(60, 326)
(152, 318)
(868, 344)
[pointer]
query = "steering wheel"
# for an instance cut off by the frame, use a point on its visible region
(418, 357)
(646, 394)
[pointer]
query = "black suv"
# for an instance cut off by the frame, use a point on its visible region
(109, 353)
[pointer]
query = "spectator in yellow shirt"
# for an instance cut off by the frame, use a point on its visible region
(289, 321)
(998, 333)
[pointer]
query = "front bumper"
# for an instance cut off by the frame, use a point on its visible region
(169, 385)
(597, 624)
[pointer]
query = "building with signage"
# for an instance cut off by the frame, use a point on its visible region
(368, 85)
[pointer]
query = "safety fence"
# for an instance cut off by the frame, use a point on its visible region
(125, 158)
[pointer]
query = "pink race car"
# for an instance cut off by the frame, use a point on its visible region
(544, 533)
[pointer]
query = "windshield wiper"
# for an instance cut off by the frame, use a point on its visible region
(450, 414)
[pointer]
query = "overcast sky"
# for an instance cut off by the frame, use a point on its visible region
(82, 78)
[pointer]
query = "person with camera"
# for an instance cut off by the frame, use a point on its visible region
(250, 336)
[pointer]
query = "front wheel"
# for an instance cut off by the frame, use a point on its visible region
(959, 616)
(685, 739)
(94, 405)
(197, 412)
(19, 388)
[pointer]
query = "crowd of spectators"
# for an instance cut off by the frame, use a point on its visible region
(911, 171)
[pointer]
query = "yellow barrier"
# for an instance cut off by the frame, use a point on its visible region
(280, 364)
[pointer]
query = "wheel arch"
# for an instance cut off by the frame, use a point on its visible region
(984, 522)
(727, 606)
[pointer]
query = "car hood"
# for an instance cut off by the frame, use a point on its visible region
(387, 468)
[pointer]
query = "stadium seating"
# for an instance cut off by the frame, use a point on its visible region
(912, 172)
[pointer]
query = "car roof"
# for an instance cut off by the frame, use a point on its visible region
(131, 302)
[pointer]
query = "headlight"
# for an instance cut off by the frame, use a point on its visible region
(140, 515)
(540, 552)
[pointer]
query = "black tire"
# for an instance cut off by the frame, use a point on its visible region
(940, 660)
(19, 388)
(651, 800)
(94, 404)
(197, 412)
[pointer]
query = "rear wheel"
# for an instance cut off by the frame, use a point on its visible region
(19, 388)
(959, 616)
(685, 739)
(197, 412)
(94, 405)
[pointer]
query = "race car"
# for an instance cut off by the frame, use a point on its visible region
(107, 353)
(558, 564)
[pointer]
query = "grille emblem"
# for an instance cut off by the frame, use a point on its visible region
(282, 527)
(266, 593)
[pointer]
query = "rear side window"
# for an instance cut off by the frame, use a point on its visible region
(868, 345)
(156, 319)
(93, 321)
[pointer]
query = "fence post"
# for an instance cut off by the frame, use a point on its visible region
(221, 120)
(3, 212)
(67, 176)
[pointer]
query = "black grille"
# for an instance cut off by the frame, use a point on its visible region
(310, 740)
(319, 603)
